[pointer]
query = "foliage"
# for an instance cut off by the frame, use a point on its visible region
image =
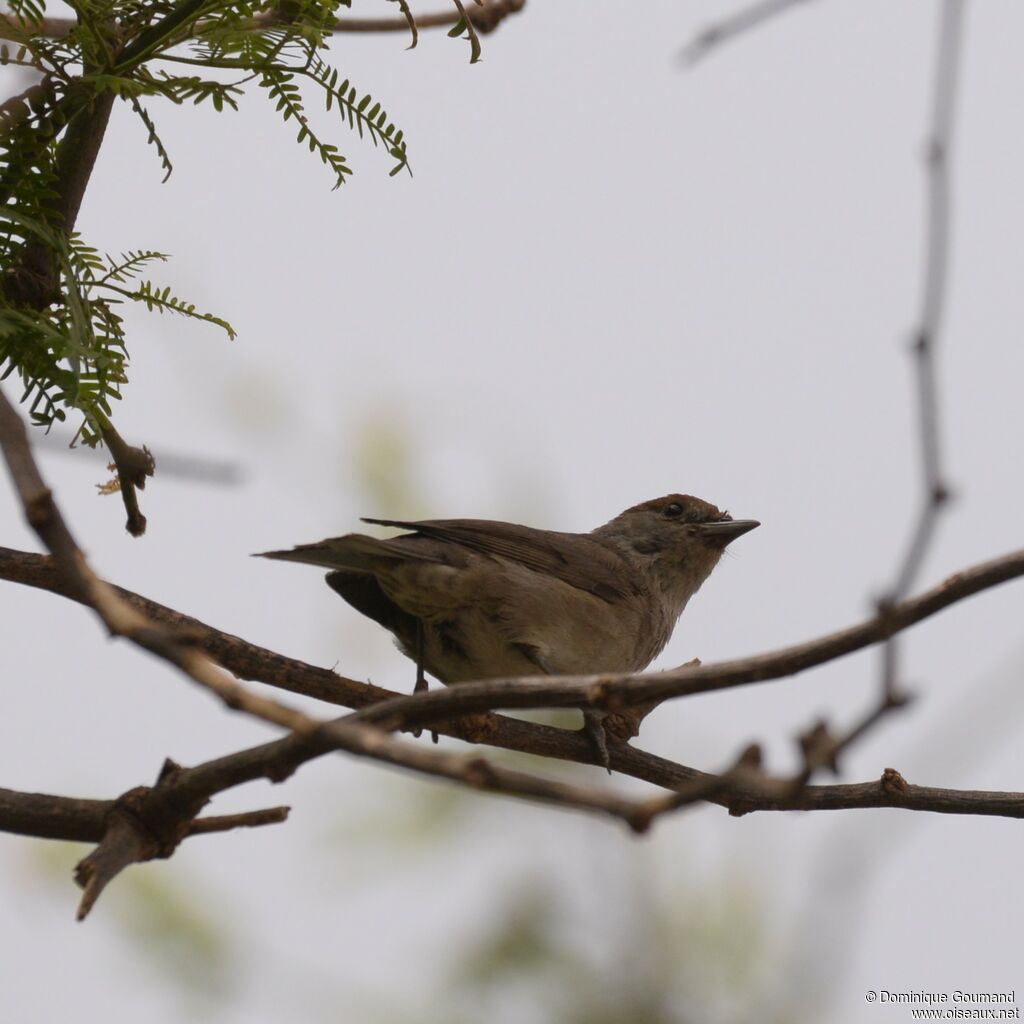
(69, 347)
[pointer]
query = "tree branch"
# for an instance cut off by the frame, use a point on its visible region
(249, 661)
(441, 708)
(935, 492)
(132, 466)
(33, 281)
(485, 18)
(75, 820)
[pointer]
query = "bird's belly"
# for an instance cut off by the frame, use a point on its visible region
(475, 645)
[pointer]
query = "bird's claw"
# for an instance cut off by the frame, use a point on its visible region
(421, 687)
(593, 726)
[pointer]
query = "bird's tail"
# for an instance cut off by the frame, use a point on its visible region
(355, 551)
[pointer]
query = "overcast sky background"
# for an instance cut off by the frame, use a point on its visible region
(607, 280)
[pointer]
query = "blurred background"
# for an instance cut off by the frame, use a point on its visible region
(608, 279)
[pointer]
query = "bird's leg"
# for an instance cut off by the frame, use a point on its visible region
(593, 721)
(593, 726)
(421, 678)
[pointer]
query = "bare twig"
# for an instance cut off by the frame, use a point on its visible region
(612, 691)
(120, 618)
(747, 769)
(244, 819)
(132, 466)
(935, 492)
(150, 822)
(252, 662)
(448, 710)
(820, 747)
(145, 824)
(71, 819)
(182, 465)
(724, 31)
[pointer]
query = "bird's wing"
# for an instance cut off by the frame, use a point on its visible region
(364, 592)
(575, 559)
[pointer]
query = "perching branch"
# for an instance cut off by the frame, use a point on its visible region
(149, 822)
(459, 711)
(248, 661)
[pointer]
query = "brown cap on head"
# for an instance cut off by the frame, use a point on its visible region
(693, 510)
(699, 516)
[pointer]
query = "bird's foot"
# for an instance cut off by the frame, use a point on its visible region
(421, 687)
(593, 726)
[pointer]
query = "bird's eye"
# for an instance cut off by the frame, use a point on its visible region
(673, 511)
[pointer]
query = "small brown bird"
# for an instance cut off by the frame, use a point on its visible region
(473, 599)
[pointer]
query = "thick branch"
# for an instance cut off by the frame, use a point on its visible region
(251, 662)
(83, 821)
(33, 280)
(614, 691)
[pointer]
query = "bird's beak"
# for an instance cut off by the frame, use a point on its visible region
(726, 532)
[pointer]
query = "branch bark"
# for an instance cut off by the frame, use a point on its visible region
(449, 710)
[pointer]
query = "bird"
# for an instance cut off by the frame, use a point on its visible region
(475, 599)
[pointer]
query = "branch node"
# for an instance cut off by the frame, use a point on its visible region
(168, 769)
(819, 749)
(935, 153)
(280, 770)
(39, 508)
(896, 699)
(892, 783)
(478, 772)
(751, 758)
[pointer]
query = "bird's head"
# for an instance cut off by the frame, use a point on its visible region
(679, 538)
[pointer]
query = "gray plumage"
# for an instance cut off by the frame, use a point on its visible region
(474, 599)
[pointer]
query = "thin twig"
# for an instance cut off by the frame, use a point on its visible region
(119, 617)
(249, 661)
(143, 823)
(935, 492)
(252, 662)
(73, 819)
(821, 749)
(726, 30)
(244, 819)
(132, 466)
